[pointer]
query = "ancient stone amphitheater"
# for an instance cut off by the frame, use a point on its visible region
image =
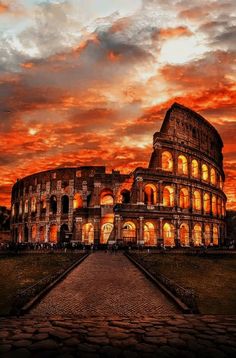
(177, 201)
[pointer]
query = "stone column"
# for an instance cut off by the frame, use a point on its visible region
(140, 236)
(97, 187)
(84, 193)
(96, 231)
(118, 227)
(176, 197)
(161, 239)
(78, 232)
(140, 199)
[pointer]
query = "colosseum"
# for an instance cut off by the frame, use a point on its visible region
(177, 201)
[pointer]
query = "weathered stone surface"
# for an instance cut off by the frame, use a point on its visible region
(44, 345)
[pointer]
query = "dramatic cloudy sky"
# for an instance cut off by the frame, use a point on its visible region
(88, 82)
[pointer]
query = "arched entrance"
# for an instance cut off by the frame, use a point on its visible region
(184, 234)
(150, 194)
(64, 236)
(88, 234)
(53, 234)
(149, 236)
(129, 233)
(197, 235)
(105, 232)
(42, 234)
(169, 234)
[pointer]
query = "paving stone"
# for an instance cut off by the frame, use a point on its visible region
(22, 343)
(71, 342)
(39, 336)
(21, 336)
(44, 345)
(5, 348)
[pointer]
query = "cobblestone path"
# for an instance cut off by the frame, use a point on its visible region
(186, 336)
(105, 285)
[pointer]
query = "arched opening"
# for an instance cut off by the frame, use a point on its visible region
(20, 207)
(64, 237)
(169, 234)
(125, 196)
(33, 233)
(53, 204)
(194, 168)
(206, 203)
(65, 204)
(26, 233)
(77, 201)
(207, 234)
(168, 196)
(106, 231)
(150, 194)
(26, 206)
(184, 198)
(182, 165)
(184, 234)
(219, 204)
(197, 200)
(43, 205)
(167, 161)
(223, 209)
(33, 205)
(215, 235)
(106, 197)
(213, 176)
(129, 232)
(214, 205)
(88, 234)
(204, 172)
(53, 233)
(20, 233)
(197, 235)
(149, 236)
(42, 232)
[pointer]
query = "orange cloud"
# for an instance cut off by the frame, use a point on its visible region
(4, 8)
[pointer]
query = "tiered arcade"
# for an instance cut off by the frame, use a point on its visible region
(177, 201)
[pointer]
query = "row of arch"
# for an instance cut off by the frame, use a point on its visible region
(197, 171)
(199, 235)
(199, 200)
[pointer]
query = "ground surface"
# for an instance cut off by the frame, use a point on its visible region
(21, 271)
(105, 284)
(212, 278)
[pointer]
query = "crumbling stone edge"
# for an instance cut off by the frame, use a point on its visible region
(181, 305)
(45, 290)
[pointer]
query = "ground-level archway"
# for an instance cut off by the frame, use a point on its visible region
(64, 237)
(149, 235)
(169, 234)
(129, 233)
(53, 234)
(88, 234)
(106, 232)
(184, 234)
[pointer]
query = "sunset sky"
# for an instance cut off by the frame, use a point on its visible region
(89, 82)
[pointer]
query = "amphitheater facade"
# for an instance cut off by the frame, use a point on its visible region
(177, 201)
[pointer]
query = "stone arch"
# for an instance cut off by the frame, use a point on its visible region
(53, 233)
(63, 230)
(106, 197)
(77, 201)
(43, 204)
(213, 176)
(149, 235)
(42, 234)
(184, 198)
(129, 232)
(20, 233)
(206, 203)
(65, 204)
(205, 173)
(194, 168)
(169, 234)
(106, 232)
(168, 196)
(53, 204)
(182, 167)
(215, 235)
(167, 161)
(197, 234)
(88, 234)
(207, 234)
(197, 200)
(33, 233)
(214, 205)
(26, 206)
(33, 205)
(125, 196)
(184, 234)
(219, 204)
(150, 194)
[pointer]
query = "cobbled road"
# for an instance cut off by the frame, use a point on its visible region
(105, 284)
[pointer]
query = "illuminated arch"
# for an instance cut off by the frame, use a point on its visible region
(207, 234)
(26, 206)
(20, 233)
(149, 236)
(106, 197)
(223, 209)
(184, 198)
(88, 234)
(182, 165)
(33, 205)
(129, 232)
(53, 233)
(205, 173)
(65, 204)
(197, 235)
(150, 194)
(20, 207)
(194, 169)
(214, 205)
(33, 233)
(219, 206)
(43, 204)
(167, 161)
(77, 201)
(184, 234)
(206, 203)
(168, 196)
(42, 232)
(213, 176)
(105, 232)
(53, 204)
(197, 200)
(215, 235)
(169, 234)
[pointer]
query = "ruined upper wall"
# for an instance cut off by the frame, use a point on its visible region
(187, 127)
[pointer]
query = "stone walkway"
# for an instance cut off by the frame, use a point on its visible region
(161, 336)
(105, 285)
